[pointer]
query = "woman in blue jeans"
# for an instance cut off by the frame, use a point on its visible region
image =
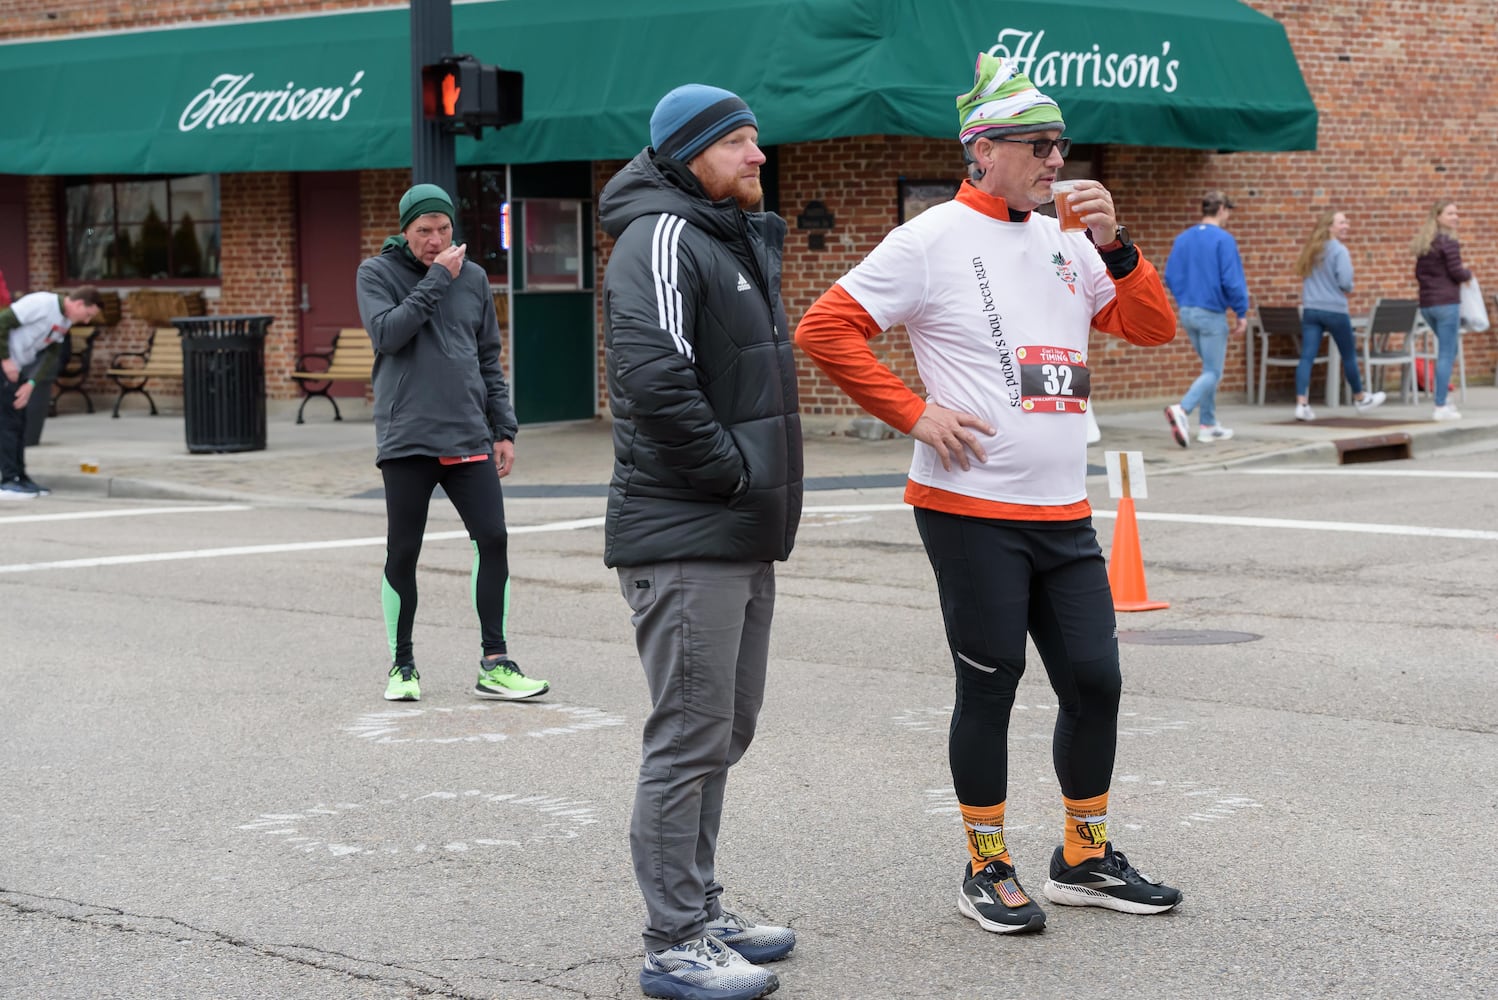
(1439, 272)
(1325, 268)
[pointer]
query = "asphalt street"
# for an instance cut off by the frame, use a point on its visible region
(207, 796)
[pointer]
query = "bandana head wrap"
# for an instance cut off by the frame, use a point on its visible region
(1004, 99)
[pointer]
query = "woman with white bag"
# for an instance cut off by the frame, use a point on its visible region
(1440, 274)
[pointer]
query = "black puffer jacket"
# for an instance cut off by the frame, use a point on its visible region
(701, 375)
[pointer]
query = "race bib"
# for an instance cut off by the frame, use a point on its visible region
(1053, 380)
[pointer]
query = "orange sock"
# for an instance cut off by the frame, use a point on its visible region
(985, 834)
(1086, 828)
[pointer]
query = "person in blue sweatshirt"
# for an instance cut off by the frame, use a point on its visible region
(1205, 274)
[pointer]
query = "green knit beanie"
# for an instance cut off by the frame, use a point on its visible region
(424, 198)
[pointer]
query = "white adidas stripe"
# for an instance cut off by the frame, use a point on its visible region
(663, 267)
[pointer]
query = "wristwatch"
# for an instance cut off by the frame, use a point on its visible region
(1121, 241)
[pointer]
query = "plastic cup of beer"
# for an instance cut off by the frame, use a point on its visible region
(89, 466)
(1070, 221)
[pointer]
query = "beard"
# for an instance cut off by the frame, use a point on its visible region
(747, 192)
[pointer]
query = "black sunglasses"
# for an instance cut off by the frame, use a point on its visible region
(1040, 148)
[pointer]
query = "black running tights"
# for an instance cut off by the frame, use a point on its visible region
(474, 490)
(998, 581)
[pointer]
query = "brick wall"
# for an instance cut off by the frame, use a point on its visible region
(1402, 87)
(37, 18)
(259, 270)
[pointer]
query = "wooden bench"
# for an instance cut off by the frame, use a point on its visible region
(350, 359)
(74, 371)
(162, 358)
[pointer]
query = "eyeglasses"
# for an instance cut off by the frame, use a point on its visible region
(1040, 148)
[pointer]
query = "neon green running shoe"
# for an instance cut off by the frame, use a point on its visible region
(502, 679)
(403, 686)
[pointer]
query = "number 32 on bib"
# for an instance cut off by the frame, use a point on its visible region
(1053, 380)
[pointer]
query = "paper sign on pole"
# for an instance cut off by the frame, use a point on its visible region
(1125, 474)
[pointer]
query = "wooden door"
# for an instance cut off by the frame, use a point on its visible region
(327, 260)
(13, 262)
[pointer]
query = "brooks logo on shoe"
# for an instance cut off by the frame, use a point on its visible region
(1100, 880)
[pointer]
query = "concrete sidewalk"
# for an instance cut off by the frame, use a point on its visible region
(322, 460)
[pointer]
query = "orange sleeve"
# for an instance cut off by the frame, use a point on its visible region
(835, 334)
(1140, 313)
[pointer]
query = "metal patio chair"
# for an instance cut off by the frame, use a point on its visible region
(1389, 341)
(1277, 326)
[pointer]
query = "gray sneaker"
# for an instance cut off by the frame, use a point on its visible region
(704, 969)
(756, 942)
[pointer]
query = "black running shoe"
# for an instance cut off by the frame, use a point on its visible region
(993, 897)
(1109, 881)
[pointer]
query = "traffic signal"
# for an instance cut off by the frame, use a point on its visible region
(466, 96)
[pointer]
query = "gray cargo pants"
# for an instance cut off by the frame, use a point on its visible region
(703, 631)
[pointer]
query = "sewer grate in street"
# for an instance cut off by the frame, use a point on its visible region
(1186, 637)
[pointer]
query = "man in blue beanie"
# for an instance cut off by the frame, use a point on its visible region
(431, 317)
(705, 498)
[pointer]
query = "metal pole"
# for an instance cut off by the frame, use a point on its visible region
(432, 158)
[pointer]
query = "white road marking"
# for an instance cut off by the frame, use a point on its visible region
(1353, 527)
(89, 515)
(341, 831)
(258, 550)
(1404, 473)
(1369, 528)
(446, 726)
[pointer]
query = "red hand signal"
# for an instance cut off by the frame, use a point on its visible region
(450, 92)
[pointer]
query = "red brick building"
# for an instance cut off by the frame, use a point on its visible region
(1402, 90)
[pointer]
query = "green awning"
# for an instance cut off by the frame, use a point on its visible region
(332, 92)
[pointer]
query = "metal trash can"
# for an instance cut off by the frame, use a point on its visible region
(223, 381)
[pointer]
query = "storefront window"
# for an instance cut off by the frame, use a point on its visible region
(553, 245)
(481, 205)
(915, 196)
(142, 229)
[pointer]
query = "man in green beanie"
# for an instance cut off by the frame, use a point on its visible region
(442, 418)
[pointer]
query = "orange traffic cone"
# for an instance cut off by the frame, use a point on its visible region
(1126, 566)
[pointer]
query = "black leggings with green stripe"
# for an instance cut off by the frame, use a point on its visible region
(1002, 580)
(474, 490)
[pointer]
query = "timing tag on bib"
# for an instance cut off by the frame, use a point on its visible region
(1053, 380)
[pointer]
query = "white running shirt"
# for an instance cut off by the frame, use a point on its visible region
(998, 315)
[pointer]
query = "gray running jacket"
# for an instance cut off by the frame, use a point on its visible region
(701, 377)
(439, 389)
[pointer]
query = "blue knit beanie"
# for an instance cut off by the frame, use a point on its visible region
(693, 117)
